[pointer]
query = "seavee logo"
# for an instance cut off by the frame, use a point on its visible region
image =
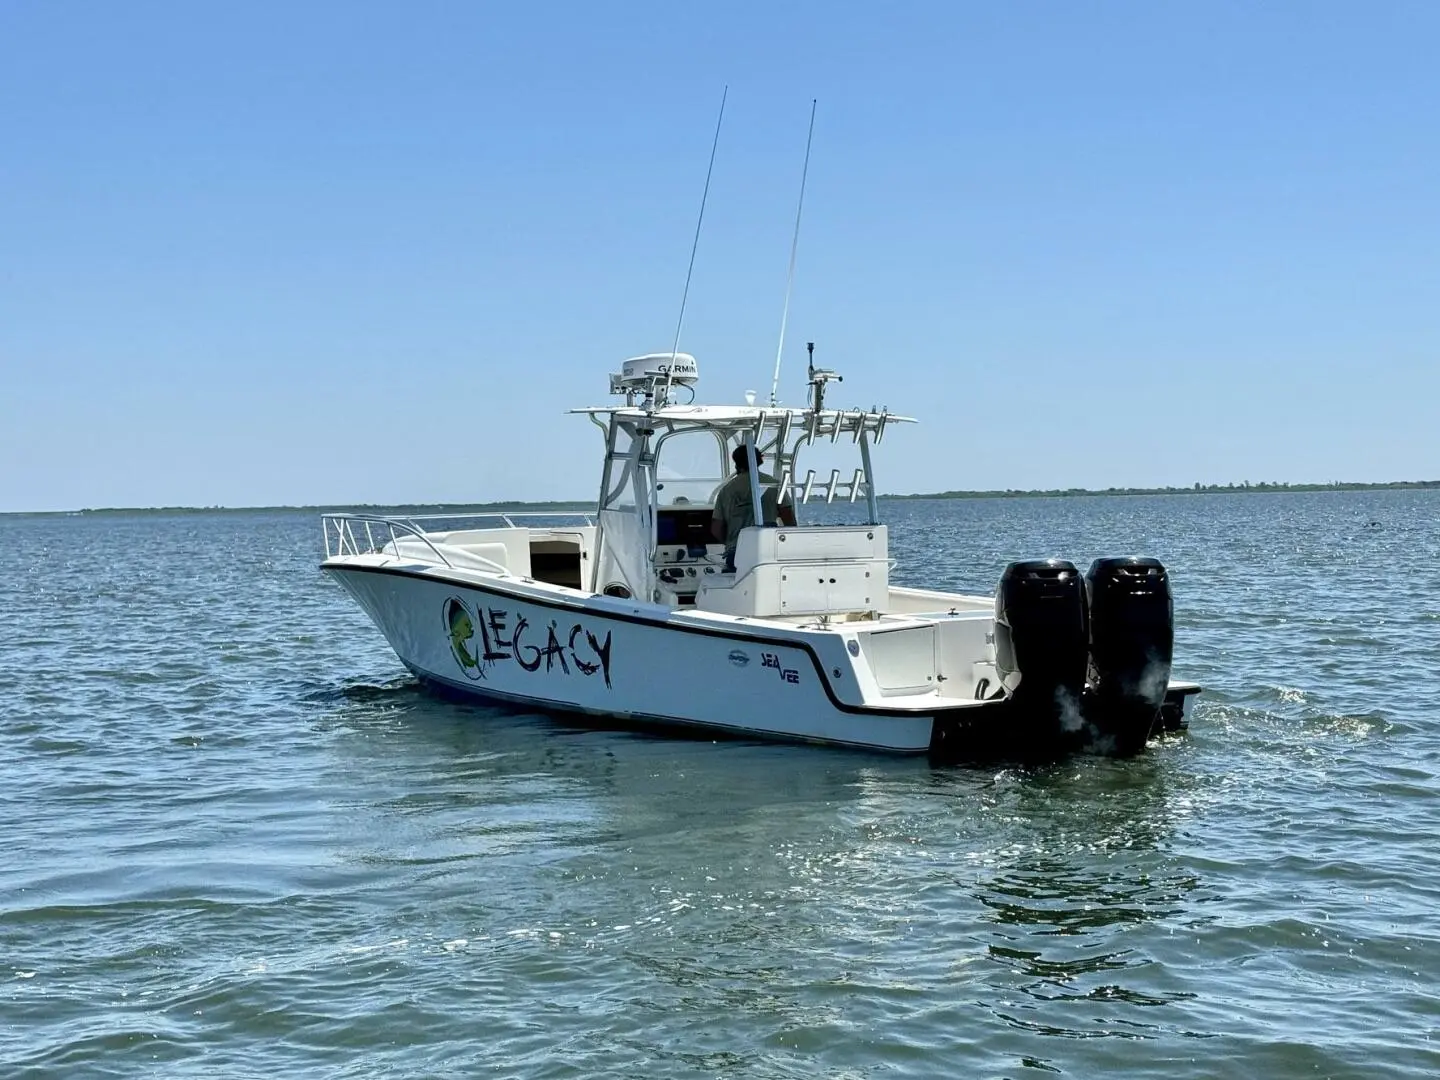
(787, 674)
(504, 636)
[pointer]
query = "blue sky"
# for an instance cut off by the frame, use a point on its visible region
(364, 253)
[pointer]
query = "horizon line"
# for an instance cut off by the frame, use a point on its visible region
(498, 506)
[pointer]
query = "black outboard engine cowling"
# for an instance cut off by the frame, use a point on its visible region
(1132, 643)
(1041, 643)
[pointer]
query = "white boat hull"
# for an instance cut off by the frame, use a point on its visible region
(526, 643)
(605, 657)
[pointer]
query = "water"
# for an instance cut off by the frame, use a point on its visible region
(239, 842)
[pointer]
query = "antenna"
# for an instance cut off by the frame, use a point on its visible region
(818, 377)
(695, 246)
(794, 244)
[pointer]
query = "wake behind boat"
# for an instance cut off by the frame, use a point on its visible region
(705, 593)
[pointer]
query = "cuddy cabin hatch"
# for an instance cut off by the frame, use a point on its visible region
(558, 560)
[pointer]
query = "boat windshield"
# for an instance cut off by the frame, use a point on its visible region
(690, 466)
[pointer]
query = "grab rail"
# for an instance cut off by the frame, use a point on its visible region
(342, 530)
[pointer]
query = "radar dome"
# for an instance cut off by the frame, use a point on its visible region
(680, 367)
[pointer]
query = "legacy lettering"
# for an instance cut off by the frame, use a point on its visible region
(505, 635)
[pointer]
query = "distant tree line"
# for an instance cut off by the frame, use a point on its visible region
(353, 508)
(589, 507)
(1197, 489)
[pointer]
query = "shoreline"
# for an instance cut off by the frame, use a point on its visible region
(578, 506)
(1245, 488)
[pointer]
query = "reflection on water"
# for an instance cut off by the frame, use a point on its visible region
(1049, 896)
(1084, 875)
(781, 883)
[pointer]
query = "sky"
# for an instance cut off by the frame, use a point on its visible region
(359, 253)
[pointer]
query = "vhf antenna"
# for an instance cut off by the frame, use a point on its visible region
(794, 244)
(695, 246)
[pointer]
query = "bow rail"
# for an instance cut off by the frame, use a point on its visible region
(367, 534)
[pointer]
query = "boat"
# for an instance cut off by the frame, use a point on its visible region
(631, 613)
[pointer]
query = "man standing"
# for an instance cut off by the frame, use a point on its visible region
(734, 509)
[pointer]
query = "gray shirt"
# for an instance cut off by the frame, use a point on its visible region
(734, 510)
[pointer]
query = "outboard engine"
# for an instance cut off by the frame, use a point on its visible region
(1132, 642)
(1041, 644)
